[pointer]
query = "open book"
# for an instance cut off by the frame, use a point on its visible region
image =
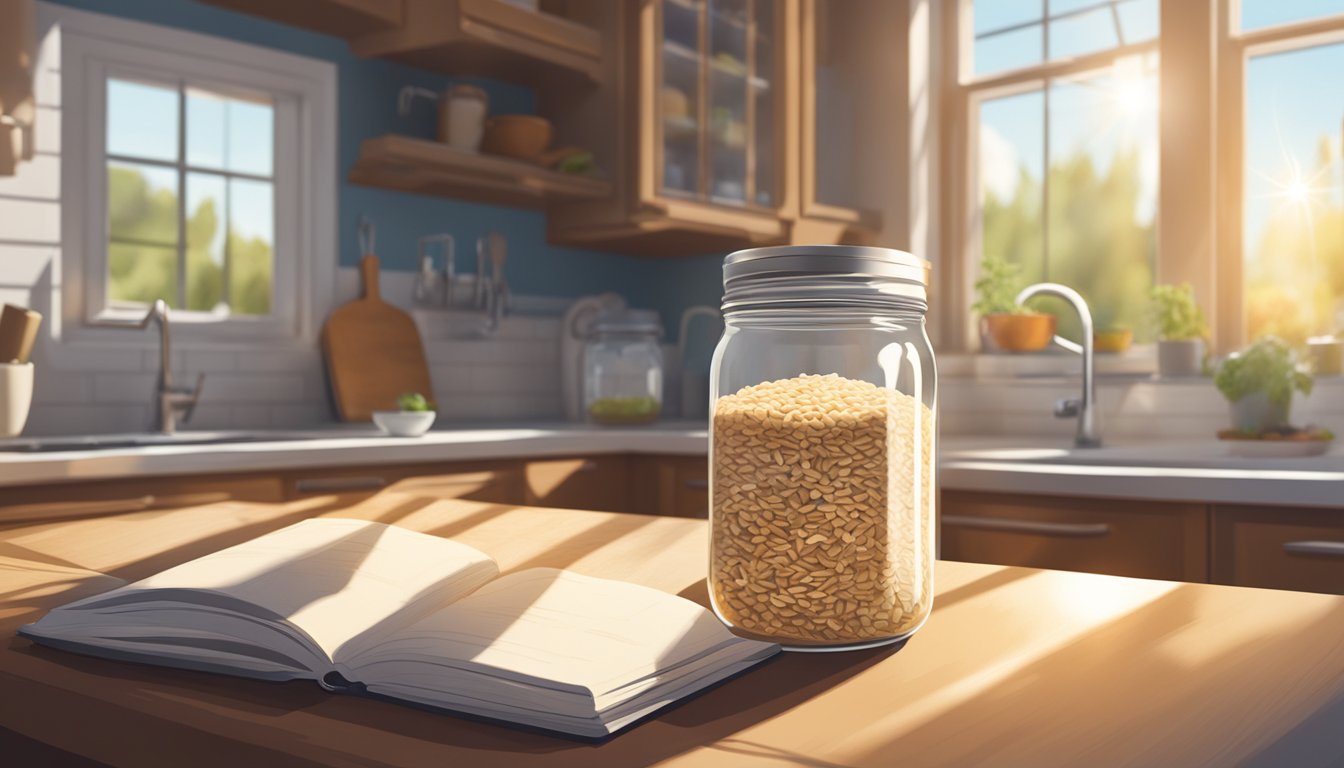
(368, 607)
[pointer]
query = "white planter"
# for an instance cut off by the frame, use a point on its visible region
(16, 395)
(1255, 413)
(1184, 357)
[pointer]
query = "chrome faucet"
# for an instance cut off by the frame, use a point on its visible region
(169, 400)
(1084, 408)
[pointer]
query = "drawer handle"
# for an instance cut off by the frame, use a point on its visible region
(1070, 530)
(697, 483)
(336, 484)
(1327, 548)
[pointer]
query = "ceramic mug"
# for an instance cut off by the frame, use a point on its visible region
(16, 395)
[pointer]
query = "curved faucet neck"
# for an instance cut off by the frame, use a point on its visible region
(1089, 430)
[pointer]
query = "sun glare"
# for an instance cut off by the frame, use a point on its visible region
(1133, 90)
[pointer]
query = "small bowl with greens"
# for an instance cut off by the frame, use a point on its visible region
(415, 417)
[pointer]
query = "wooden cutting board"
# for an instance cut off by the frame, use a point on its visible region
(373, 353)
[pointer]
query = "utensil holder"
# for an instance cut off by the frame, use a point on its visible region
(16, 396)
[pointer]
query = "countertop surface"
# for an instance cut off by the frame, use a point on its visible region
(1015, 667)
(1178, 470)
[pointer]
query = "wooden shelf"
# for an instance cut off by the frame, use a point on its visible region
(343, 18)
(488, 38)
(425, 167)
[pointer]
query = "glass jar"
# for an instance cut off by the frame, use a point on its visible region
(823, 448)
(623, 368)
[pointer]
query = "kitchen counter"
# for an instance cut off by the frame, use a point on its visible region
(1174, 470)
(1015, 667)
(347, 446)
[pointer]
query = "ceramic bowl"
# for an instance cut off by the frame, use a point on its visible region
(404, 423)
(523, 137)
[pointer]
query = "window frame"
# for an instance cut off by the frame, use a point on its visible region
(1235, 50)
(1203, 56)
(95, 47)
(964, 93)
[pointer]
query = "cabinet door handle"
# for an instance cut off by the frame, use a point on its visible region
(697, 483)
(338, 484)
(56, 510)
(1327, 548)
(1067, 530)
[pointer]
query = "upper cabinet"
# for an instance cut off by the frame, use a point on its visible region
(845, 106)
(737, 123)
(704, 132)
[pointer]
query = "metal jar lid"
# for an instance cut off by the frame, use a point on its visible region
(824, 276)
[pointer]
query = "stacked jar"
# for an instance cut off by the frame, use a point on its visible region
(822, 456)
(623, 367)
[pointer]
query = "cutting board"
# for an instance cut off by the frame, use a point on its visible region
(373, 353)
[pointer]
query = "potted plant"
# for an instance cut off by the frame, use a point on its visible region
(1009, 325)
(1259, 382)
(1110, 337)
(1180, 330)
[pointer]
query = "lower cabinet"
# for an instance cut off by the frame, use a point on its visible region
(599, 483)
(675, 486)
(1279, 548)
(1154, 540)
(493, 481)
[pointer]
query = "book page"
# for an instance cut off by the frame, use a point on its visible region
(340, 581)
(560, 630)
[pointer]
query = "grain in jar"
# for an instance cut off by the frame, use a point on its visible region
(823, 485)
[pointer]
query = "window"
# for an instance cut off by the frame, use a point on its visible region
(1293, 172)
(1057, 165)
(1064, 150)
(208, 171)
(190, 198)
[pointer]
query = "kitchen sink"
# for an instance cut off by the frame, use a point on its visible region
(1206, 454)
(123, 441)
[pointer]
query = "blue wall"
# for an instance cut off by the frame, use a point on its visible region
(368, 107)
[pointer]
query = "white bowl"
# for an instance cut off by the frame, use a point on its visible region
(404, 423)
(16, 395)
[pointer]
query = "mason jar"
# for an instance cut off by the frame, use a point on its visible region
(823, 447)
(623, 367)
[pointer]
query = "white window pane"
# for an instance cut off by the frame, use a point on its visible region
(251, 246)
(142, 234)
(1080, 33)
(1102, 192)
(1006, 51)
(990, 15)
(1138, 21)
(1267, 13)
(251, 128)
(1012, 171)
(205, 129)
(1293, 227)
(207, 222)
(142, 203)
(141, 120)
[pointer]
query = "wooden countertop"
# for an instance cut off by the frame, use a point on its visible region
(1016, 667)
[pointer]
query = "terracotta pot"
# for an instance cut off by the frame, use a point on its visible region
(523, 137)
(1019, 333)
(1112, 340)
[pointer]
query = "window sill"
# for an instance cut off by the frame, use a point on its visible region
(1140, 360)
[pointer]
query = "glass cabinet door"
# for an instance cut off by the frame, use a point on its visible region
(717, 106)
